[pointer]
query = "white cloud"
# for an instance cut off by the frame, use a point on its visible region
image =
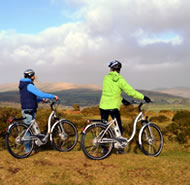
(176, 40)
(157, 67)
(103, 31)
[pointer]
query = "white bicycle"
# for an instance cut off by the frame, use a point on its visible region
(100, 137)
(61, 132)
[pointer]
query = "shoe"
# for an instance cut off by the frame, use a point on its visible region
(32, 153)
(121, 151)
(117, 145)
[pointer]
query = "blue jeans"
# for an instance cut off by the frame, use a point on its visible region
(29, 118)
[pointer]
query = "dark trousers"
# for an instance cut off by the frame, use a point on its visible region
(114, 114)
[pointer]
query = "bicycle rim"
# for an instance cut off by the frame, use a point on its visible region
(152, 140)
(65, 136)
(91, 146)
(15, 144)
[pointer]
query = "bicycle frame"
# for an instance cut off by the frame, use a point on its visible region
(49, 130)
(139, 117)
(100, 137)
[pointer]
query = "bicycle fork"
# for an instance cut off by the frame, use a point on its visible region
(148, 134)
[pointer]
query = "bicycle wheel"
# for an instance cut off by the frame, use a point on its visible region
(64, 136)
(151, 140)
(92, 147)
(16, 140)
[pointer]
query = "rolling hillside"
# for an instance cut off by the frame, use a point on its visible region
(50, 86)
(178, 91)
(89, 94)
(88, 97)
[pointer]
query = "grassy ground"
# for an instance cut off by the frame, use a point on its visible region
(55, 168)
(50, 167)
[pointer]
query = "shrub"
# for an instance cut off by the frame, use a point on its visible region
(91, 110)
(77, 120)
(159, 119)
(129, 111)
(180, 127)
(76, 107)
(5, 114)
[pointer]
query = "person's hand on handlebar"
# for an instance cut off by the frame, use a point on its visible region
(48, 100)
(147, 99)
(125, 102)
(44, 100)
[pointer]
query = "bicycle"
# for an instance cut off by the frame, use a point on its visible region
(100, 137)
(62, 134)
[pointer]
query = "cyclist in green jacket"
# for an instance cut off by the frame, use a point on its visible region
(111, 98)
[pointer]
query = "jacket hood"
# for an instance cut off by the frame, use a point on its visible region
(114, 76)
(23, 82)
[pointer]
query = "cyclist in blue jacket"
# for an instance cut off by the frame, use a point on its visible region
(29, 98)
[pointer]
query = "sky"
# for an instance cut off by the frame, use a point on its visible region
(73, 41)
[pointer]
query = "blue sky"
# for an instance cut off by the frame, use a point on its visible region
(74, 40)
(31, 16)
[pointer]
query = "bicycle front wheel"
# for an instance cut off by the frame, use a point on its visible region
(151, 140)
(64, 136)
(96, 142)
(18, 141)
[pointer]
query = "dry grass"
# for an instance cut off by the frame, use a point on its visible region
(50, 167)
(56, 168)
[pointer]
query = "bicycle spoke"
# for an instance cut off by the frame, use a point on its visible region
(93, 133)
(93, 147)
(15, 143)
(89, 146)
(90, 142)
(152, 140)
(65, 136)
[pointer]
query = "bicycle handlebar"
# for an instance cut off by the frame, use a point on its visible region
(140, 104)
(52, 102)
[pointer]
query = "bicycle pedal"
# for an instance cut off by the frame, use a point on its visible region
(124, 144)
(40, 136)
(120, 140)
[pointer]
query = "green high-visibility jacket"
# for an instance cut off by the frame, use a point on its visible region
(113, 85)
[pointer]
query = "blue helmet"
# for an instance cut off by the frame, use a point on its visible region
(115, 64)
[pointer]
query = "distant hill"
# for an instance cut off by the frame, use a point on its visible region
(88, 97)
(50, 86)
(178, 91)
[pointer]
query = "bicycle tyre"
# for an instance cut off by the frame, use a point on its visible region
(149, 145)
(14, 144)
(93, 150)
(64, 140)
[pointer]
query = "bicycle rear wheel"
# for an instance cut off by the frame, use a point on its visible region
(16, 141)
(92, 146)
(64, 136)
(151, 140)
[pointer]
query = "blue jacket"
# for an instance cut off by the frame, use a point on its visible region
(30, 95)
